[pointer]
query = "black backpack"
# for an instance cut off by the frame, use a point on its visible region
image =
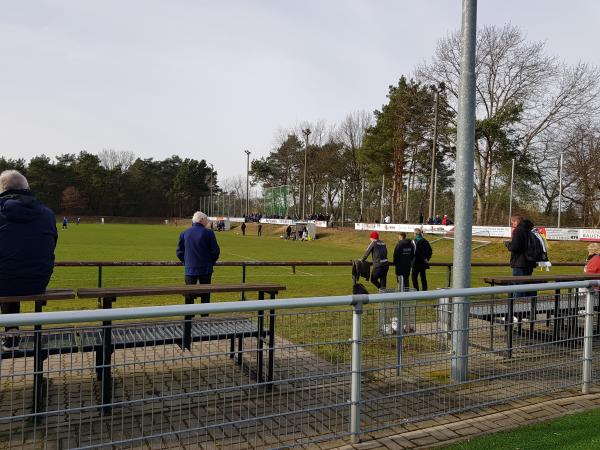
(536, 250)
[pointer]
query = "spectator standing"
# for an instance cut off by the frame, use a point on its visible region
(198, 251)
(437, 220)
(27, 241)
(65, 223)
(593, 260)
(521, 228)
(423, 253)
(243, 228)
(288, 232)
(260, 229)
(404, 254)
(421, 217)
(378, 252)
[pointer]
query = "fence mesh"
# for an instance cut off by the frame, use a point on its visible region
(280, 378)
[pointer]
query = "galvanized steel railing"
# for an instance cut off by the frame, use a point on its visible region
(343, 366)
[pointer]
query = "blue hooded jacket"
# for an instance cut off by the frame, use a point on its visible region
(198, 250)
(27, 241)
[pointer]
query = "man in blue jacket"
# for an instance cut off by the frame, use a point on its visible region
(198, 251)
(27, 241)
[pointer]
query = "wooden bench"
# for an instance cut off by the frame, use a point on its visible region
(104, 341)
(553, 305)
(41, 345)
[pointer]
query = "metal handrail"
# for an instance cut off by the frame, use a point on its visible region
(148, 312)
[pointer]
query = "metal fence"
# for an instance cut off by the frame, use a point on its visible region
(290, 372)
(245, 265)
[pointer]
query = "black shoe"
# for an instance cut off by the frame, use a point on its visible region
(11, 343)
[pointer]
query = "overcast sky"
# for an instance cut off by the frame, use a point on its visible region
(208, 79)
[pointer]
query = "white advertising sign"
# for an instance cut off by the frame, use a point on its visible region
(589, 235)
(562, 234)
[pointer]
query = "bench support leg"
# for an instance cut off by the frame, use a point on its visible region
(38, 362)
(260, 341)
(271, 344)
(187, 326)
(509, 331)
(106, 358)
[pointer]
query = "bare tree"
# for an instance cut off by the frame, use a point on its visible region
(111, 159)
(513, 75)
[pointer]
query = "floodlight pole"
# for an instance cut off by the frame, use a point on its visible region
(512, 178)
(247, 152)
(463, 203)
(381, 205)
(435, 178)
(343, 200)
(560, 183)
(362, 199)
(306, 133)
(210, 207)
(433, 151)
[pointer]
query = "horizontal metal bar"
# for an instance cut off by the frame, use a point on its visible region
(271, 264)
(61, 317)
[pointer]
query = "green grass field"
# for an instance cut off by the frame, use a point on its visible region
(576, 432)
(113, 242)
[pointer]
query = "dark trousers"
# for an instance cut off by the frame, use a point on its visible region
(521, 271)
(405, 274)
(379, 276)
(415, 278)
(200, 279)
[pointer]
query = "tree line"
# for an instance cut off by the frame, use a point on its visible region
(531, 109)
(117, 183)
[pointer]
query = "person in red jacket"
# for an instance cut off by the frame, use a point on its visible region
(593, 259)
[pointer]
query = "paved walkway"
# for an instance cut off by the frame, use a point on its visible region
(449, 429)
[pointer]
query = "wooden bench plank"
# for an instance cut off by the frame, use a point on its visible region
(531, 279)
(192, 289)
(50, 294)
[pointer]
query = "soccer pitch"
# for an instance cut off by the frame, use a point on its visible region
(115, 242)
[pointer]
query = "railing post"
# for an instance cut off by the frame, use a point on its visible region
(243, 279)
(587, 342)
(99, 275)
(449, 276)
(356, 372)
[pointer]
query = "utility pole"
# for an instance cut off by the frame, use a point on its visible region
(560, 183)
(435, 177)
(433, 152)
(463, 200)
(210, 207)
(247, 152)
(381, 202)
(306, 133)
(343, 200)
(512, 178)
(362, 199)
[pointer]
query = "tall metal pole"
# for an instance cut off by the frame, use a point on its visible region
(381, 202)
(433, 151)
(560, 176)
(512, 179)
(306, 133)
(343, 199)
(327, 199)
(407, 197)
(463, 203)
(435, 176)
(362, 199)
(247, 152)
(210, 207)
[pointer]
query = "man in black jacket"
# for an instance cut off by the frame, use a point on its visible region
(423, 253)
(404, 254)
(27, 241)
(518, 246)
(378, 250)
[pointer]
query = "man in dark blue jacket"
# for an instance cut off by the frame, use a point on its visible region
(27, 242)
(198, 251)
